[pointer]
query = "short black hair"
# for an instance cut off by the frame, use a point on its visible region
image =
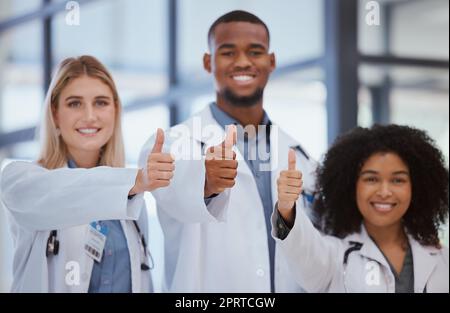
(336, 205)
(237, 16)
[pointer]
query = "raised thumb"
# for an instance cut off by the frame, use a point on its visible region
(292, 160)
(159, 142)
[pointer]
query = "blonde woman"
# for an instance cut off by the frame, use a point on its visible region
(78, 217)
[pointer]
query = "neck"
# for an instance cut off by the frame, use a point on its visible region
(244, 115)
(85, 159)
(387, 236)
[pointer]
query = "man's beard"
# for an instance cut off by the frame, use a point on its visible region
(243, 102)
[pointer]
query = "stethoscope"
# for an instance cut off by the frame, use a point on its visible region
(354, 246)
(144, 265)
(53, 247)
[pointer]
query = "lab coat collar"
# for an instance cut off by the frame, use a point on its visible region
(425, 258)
(369, 249)
(225, 119)
(207, 120)
(280, 142)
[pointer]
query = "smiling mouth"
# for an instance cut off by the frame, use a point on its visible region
(383, 207)
(243, 79)
(88, 131)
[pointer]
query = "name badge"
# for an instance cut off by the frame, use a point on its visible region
(96, 240)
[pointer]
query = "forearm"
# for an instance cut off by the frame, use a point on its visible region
(43, 199)
(311, 256)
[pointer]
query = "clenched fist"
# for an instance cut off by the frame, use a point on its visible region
(221, 165)
(159, 170)
(289, 190)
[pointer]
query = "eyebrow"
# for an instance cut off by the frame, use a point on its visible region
(80, 97)
(73, 98)
(103, 97)
(226, 46)
(375, 172)
(232, 46)
(257, 46)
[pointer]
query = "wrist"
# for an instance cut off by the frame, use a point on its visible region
(287, 213)
(207, 192)
(137, 188)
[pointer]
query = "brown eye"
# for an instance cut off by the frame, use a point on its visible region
(102, 103)
(255, 53)
(227, 53)
(74, 104)
(370, 179)
(399, 180)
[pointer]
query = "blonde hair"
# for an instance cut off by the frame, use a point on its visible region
(54, 153)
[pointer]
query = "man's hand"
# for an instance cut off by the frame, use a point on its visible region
(221, 165)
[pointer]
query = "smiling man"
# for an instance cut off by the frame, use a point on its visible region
(216, 214)
(241, 64)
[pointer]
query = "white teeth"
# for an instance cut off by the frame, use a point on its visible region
(88, 131)
(383, 206)
(243, 78)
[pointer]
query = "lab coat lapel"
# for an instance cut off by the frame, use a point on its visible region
(425, 260)
(134, 255)
(87, 263)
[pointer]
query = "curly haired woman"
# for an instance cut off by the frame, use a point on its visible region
(382, 194)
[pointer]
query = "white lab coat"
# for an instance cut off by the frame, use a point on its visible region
(317, 261)
(222, 247)
(39, 200)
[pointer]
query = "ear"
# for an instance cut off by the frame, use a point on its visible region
(207, 62)
(273, 62)
(55, 116)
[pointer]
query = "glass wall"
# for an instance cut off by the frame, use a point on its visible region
(21, 77)
(415, 95)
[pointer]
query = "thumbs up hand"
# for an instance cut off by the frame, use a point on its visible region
(221, 165)
(159, 170)
(289, 189)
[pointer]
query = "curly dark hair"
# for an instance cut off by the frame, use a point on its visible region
(336, 205)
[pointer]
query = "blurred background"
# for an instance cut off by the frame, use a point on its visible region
(341, 63)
